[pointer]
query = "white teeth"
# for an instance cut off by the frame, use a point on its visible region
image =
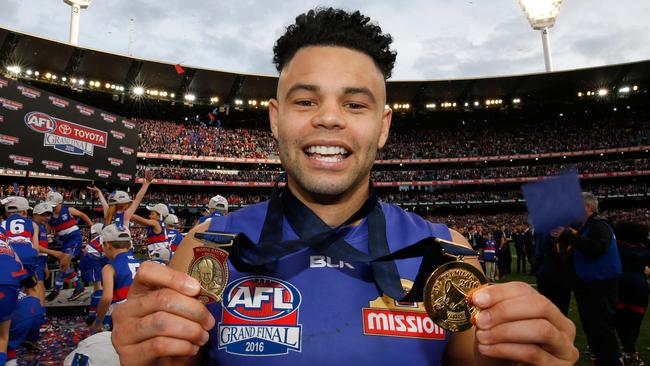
(326, 150)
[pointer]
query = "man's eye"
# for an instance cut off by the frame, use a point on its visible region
(355, 106)
(304, 103)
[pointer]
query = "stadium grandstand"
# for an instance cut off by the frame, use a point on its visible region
(458, 153)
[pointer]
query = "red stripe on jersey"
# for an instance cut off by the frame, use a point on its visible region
(121, 293)
(157, 238)
(24, 234)
(65, 225)
(19, 273)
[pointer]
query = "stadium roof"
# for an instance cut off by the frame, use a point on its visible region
(61, 59)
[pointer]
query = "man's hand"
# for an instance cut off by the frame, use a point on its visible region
(558, 231)
(161, 322)
(96, 327)
(94, 190)
(517, 323)
(148, 175)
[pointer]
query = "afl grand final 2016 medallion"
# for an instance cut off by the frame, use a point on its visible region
(210, 267)
(447, 295)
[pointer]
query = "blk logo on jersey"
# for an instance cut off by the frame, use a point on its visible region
(260, 317)
(387, 317)
(321, 261)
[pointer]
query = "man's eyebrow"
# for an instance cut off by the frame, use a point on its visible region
(359, 90)
(297, 87)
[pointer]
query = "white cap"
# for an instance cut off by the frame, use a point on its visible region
(112, 233)
(54, 198)
(171, 219)
(161, 208)
(16, 204)
(162, 254)
(118, 197)
(218, 203)
(96, 228)
(42, 207)
(96, 350)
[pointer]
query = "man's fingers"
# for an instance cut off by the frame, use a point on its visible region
(153, 276)
(166, 325)
(169, 301)
(534, 331)
(146, 353)
(516, 301)
(528, 354)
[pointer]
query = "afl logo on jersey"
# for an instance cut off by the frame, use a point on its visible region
(260, 317)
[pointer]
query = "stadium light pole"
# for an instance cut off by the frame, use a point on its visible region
(76, 6)
(542, 14)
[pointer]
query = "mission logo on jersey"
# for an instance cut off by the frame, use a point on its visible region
(386, 317)
(260, 317)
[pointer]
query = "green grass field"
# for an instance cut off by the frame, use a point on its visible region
(642, 345)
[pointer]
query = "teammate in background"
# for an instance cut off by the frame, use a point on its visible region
(174, 236)
(22, 233)
(90, 265)
(64, 224)
(26, 321)
(217, 207)
(118, 275)
(119, 208)
(11, 273)
(157, 241)
(41, 216)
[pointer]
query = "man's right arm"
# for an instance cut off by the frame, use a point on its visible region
(162, 323)
(594, 244)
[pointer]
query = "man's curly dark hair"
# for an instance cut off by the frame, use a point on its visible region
(336, 27)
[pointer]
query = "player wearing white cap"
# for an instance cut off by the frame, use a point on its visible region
(217, 207)
(174, 236)
(64, 224)
(41, 215)
(157, 241)
(120, 207)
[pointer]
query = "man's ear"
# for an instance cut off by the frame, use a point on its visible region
(386, 118)
(273, 116)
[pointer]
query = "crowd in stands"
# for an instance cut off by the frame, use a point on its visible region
(200, 173)
(525, 137)
(463, 222)
(471, 139)
(199, 139)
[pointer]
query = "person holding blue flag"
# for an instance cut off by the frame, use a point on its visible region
(595, 269)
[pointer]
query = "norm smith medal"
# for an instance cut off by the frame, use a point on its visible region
(446, 295)
(210, 268)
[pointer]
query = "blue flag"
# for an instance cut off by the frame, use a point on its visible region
(555, 202)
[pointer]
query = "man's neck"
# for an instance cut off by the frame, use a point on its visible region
(332, 210)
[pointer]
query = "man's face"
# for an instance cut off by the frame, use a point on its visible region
(329, 120)
(43, 218)
(154, 215)
(206, 275)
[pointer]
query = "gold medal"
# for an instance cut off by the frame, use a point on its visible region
(447, 295)
(210, 267)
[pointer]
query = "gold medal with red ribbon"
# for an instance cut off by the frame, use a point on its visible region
(209, 266)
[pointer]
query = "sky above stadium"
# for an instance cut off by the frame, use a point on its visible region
(435, 39)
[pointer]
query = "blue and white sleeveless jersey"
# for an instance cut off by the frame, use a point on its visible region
(313, 310)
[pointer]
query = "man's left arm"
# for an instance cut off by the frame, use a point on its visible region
(516, 324)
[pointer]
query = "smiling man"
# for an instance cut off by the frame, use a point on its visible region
(312, 306)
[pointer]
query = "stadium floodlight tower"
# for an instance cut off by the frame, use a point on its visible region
(541, 15)
(76, 6)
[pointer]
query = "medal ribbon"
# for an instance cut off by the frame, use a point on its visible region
(316, 234)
